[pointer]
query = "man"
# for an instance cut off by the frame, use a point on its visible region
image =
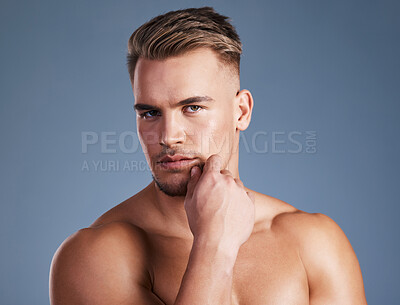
(196, 234)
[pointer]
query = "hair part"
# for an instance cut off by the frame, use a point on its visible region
(180, 31)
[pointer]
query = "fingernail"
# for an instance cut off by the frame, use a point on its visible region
(192, 171)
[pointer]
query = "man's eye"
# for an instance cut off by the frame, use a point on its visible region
(149, 114)
(193, 108)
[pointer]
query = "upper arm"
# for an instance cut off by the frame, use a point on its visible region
(101, 266)
(333, 271)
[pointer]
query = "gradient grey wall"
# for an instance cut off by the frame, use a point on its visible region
(330, 67)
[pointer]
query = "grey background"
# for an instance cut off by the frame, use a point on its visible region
(326, 66)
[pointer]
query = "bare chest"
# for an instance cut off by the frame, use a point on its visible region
(267, 271)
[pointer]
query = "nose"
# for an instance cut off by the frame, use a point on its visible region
(172, 131)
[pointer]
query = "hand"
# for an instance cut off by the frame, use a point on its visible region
(218, 208)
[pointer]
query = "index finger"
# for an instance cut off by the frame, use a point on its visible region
(213, 163)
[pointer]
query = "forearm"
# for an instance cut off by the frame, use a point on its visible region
(208, 276)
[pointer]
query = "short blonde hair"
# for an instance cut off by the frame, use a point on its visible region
(177, 32)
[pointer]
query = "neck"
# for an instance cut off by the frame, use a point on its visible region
(171, 208)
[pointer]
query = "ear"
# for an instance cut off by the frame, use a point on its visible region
(244, 107)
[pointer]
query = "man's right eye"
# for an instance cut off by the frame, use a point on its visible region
(149, 114)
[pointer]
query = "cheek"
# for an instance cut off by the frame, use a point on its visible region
(148, 139)
(214, 136)
(219, 120)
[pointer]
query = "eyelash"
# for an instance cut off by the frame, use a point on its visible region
(143, 115)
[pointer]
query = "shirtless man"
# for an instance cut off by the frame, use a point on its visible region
(196, 234)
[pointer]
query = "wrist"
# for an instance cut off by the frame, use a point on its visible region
(215, 250)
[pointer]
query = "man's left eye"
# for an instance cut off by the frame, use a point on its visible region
(193, 108)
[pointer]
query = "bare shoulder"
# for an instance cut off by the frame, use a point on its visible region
(301, 224)
(313, 232)
(102, 265)
(304, 228)
(332, 268)
(135, 210)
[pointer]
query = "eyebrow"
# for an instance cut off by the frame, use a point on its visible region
(187, 101)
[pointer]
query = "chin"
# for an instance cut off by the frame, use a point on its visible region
(172, 184)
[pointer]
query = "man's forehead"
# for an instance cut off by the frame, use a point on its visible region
(172, 93)
(195, 73)
(202, 59)
(175, 78)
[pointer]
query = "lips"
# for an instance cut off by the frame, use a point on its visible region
(176, 162)
(174, 158)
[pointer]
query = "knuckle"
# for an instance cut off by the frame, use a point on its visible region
(212, 177)
(215, 159)
(226, 172)
(229, 180)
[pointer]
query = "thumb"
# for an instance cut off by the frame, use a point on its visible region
(195, 174)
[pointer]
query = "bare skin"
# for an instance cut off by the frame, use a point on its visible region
(217, 242)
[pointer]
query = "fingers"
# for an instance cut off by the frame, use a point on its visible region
(213, 163)
(195, 174)
(239, 182)
(229, 173)
(226, 172)
(251, 196)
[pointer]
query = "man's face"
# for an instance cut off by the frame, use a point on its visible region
(185, 110)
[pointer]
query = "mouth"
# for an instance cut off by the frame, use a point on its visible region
(176, 162)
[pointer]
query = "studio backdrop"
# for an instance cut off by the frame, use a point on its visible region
(324, 135)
